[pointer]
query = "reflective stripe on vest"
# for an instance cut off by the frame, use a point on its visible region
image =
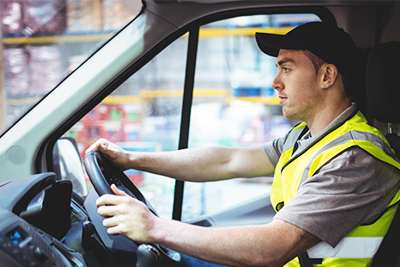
(291, 170)
(348, 247)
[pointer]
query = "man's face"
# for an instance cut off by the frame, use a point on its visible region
(297, 84)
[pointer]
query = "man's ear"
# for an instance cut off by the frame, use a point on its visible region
(328, 75)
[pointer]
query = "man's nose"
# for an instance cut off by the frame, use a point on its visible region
(277, 83)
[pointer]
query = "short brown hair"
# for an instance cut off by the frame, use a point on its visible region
(318, 62)
(315, 60)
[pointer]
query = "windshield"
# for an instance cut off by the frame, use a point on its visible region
(42, 42)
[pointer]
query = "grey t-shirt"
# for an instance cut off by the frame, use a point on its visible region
(353, 188)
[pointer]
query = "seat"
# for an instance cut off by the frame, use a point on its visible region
(382, 90)
(383, 96)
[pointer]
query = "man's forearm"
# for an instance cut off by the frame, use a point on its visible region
(262, 245)
(197, 165)
(205, 164)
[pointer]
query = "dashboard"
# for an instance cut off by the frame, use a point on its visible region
(24, 245)
(42, 223)
(35, 217)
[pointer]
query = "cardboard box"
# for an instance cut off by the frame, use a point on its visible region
(11, 17)
(84, 16)
(16, 72)
(118, 13)
(44, 16)
(45, 68)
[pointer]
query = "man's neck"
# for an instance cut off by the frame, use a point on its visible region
(325, 115)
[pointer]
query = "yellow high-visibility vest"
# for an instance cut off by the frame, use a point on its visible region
(358, 247)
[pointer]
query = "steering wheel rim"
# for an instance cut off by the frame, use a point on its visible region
(96, 166)
(102, 173)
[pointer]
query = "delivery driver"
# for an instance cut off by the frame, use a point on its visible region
(335, 176)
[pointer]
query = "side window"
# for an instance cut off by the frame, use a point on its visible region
(234, 104)
(143, 114)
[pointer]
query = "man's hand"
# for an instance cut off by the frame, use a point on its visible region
(113, 152)
(127, 216)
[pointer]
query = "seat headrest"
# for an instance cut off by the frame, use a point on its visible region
(382, 82)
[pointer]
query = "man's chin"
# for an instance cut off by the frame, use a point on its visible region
(286, 112)
(289, 114)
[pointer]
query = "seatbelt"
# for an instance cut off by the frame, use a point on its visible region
(387, 255)
(305, 260)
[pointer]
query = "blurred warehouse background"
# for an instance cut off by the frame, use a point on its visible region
(42, 41)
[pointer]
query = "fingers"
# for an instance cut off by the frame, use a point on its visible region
(125, 215)
(117, 191)
(110, 150)
(108, 211)
(100, 145)
(109, 199)
(115, 225)
(112, 221)
(118, 229)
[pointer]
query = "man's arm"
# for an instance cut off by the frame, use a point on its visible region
(196, 165)
(262, 245)
(271, 244)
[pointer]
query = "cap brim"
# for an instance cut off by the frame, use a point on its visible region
(270, 44)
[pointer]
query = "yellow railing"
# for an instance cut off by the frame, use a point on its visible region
(204, 33)
(221, 32)
(56, 39)
(148, 95)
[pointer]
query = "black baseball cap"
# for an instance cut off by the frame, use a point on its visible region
(329, 42)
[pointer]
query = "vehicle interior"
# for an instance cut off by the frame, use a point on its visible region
(48, 186)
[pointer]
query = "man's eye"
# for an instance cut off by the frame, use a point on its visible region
(284, 69)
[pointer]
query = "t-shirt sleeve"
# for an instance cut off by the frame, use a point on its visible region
(274, 149)
(353, 188)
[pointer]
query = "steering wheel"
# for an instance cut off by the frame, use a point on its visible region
(103, 173)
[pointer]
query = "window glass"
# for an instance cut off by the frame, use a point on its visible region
(234, 104)
(41, 42)
(143, 114)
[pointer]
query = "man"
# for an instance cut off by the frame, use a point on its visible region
(335, 176)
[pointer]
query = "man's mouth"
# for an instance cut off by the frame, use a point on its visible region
(282, 98)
